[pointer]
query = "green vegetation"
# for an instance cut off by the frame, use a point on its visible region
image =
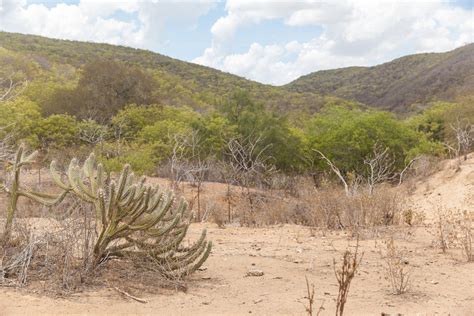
(348, 137)
(147, 110)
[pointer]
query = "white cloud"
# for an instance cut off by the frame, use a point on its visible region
(355, 32)
(93, 20)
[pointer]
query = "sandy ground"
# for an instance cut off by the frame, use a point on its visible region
(441, 284)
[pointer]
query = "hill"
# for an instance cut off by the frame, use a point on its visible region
(179, 83)
(396, 85)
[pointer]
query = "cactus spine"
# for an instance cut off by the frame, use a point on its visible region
(135, 216)
(15, 191)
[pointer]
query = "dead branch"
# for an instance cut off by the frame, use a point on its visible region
(130, 296)
(336, 171)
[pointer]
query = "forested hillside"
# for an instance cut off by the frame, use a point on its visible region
(399, 84)
(176, 82)
(158, 113)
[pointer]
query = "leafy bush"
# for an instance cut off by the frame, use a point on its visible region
(348, 136)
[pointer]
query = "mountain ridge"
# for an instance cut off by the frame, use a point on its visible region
(400, 83)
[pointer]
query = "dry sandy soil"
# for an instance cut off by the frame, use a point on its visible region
(441, 284)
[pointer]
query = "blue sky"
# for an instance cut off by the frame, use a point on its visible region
(264, 40)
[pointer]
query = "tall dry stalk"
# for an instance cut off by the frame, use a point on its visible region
(344, 276)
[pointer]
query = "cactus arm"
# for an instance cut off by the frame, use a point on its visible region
(26, 160)
(74, 180)
(57, 177)
(43, 198)
(177, 269)
(123, 180)
(102, 208)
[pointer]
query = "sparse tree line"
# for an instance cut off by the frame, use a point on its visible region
(240, 142)
(114, 112)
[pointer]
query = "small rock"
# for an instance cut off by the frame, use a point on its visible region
(206, 277)
(297, 261)
(206, 303)
(202, 269)
(327, 293)
(258, 301)
(434, 282)
(255, 273)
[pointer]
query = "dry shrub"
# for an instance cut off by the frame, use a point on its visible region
(396, 271)
(333, 209)
(412, 217)
(217, 217)
(310, 297)
(64, 259)
(16, 258)
(454, 229)
(327, 207)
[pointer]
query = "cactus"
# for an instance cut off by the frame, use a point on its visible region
(134, 217)
(15, 191)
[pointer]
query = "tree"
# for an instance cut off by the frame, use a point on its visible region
(448, 124)
(104, 88)
(189, 161)
(250, 119)
(347, 137)
(249, 165)
(18, 117)
(464, 134)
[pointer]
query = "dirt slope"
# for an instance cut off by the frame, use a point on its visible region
(451, 188)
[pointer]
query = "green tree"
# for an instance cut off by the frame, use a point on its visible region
(348, 136)
(18, 118)
(252, 118)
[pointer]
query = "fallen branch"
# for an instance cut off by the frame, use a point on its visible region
(130, 296)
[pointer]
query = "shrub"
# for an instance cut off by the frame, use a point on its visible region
(396, 269)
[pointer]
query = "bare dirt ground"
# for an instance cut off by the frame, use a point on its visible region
(441, 284)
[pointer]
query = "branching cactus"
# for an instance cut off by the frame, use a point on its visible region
(135, 217)
(15, 190)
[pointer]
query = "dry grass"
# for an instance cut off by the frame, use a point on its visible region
(325, 208)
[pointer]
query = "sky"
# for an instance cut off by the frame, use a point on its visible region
(270, 41)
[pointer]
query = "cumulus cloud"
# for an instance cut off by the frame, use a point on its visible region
(355, 32)
(93, 20)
